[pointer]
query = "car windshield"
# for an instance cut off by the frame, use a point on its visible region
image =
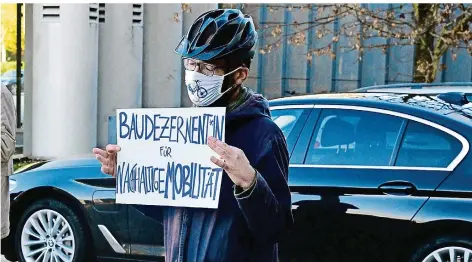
(30, 166)
(10, 73)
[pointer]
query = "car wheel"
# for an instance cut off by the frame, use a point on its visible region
(446, 249)
(50, 231)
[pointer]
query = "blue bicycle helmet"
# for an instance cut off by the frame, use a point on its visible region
(219, 34)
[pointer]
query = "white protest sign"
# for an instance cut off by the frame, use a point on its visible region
(164, 158)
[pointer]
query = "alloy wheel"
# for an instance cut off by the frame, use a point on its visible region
(450, 254)
(47, 237)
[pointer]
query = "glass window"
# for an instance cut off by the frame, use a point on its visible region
(353, 137)
(426, 146)
(10, 73)
(286, 118)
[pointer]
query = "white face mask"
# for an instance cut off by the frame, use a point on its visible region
(204, 90)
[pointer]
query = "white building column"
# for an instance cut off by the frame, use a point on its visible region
(28, 75)
(120, 61)
(164, 26)
(162, 31)
(64, 104)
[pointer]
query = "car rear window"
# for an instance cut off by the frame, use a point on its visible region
(426, 146)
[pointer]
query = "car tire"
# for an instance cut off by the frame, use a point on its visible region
(441, 246)
(40, 234)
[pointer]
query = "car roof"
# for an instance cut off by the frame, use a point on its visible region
(438, 98)
(419, 88)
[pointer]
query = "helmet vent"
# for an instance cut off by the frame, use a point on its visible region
(232, 16)
(194, 30)
(245, 33)
(206, 35)
(224, 36)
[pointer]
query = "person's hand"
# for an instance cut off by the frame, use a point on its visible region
(234, 162)
(107, 158)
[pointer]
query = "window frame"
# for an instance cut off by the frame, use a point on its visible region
(294, 135)
(406, 117)
(402, 139)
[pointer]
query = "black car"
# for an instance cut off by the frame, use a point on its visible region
(380, 174)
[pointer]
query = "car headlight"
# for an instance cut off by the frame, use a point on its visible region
(12, 183)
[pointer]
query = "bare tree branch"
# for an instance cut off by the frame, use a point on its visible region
(433, 29)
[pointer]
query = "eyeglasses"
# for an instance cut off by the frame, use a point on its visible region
(204, 68)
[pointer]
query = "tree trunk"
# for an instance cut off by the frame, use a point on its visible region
(425, 66)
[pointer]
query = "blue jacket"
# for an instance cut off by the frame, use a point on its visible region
(246, 226)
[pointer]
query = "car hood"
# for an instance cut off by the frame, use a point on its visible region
(71, 162)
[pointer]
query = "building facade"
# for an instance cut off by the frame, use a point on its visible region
(84, 61)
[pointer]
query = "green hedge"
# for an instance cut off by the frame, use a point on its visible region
(10, 65)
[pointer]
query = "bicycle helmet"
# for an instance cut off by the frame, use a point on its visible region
(219, 34)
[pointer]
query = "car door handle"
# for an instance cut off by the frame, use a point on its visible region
(397, 188)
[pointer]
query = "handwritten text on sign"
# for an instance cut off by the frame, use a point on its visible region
(164, 158)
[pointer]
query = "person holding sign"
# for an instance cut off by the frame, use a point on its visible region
(254, 208)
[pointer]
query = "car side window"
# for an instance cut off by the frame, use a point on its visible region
(353, 137)
(426, 146)
(286, 119)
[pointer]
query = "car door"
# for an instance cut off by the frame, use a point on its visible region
(110, 218)
(146, 232)
(353, 199)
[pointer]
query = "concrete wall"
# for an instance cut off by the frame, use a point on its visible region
(287, 69)
(90, 60)
(87, 60)
(164, 26)
(162, 68)
(120, 60)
